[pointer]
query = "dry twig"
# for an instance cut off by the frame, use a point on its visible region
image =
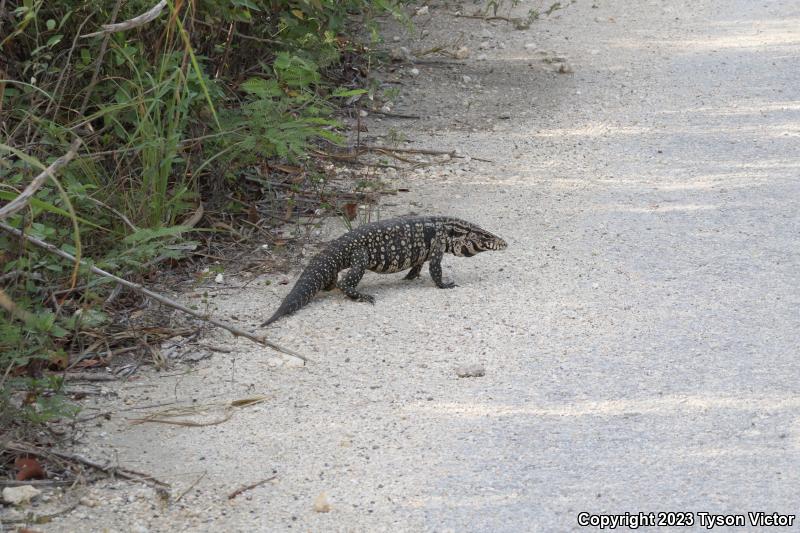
(135, 22)
(24, 197)
(238, 332)
(31, 518)
(240, 490)
(190, 487)
(75, 458)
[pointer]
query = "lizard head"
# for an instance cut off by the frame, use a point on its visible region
(467, 239)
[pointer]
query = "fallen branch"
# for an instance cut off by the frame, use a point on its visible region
(24, 197)
(518, 23)
(190, 487)
(135, 22)
(237, 332)
(169, 416)
(240, 490)
(132, 475)
(31, 518)
(185, 423)
(451, 153)
(395, 115)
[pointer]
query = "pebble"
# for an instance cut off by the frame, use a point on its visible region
(20, 495)
(422, 11)
(530, 46)
(414, 72)
(466, 79)
(88, 502)
(462, 53)
(322, 504)
(483, 46)
(362, 113)
(482, 57)
(219, 278)
(400, 53)
(194, 357)
(470, 371)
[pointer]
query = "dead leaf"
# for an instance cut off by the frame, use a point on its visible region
(58, 361)
(28, 469)
(350, 210)
(252, 214)
(90, 363)
(244, 402)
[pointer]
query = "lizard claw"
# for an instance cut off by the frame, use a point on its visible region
(447, 285)
(367, 298)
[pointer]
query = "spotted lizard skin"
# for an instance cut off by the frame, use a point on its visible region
(386, 247)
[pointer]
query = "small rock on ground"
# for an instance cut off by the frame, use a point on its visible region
(322, 504)
(20, 495)
(470, 371)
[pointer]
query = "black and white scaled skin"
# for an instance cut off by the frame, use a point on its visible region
(386, 247)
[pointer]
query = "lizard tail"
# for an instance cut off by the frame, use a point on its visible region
(311, 281)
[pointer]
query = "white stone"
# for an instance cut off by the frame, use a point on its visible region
(219, 278)
(322, 504)
(20, 495)
(471, 371)
(400, 53)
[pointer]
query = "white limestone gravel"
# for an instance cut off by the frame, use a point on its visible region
(640, 335)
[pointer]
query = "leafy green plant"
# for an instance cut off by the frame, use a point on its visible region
(170, 113)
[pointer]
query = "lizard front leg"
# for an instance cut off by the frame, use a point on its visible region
(350, 280)
(435, 269)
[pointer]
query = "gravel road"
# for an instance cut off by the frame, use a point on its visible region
(639, 336)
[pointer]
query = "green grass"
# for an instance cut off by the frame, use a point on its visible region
(172, 115)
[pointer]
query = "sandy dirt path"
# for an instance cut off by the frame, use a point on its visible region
(640, 335)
